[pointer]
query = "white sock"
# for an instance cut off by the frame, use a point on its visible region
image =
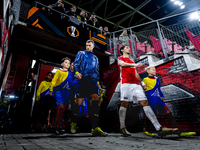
(152, 117)
(122, 116)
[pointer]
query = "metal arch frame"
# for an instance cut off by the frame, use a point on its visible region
(132, 13)
(117, 25)
(98, 5)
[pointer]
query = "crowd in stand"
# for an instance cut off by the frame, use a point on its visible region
(92, 20)
(72, 12)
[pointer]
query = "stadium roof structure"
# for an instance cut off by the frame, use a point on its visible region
(119, 14)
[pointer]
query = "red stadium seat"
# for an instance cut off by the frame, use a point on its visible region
(194, 39)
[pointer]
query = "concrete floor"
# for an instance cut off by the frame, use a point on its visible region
(85, 141)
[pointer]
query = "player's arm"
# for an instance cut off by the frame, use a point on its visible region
(53, 83)
(160, 92)
(123, 64)
(140, 80)
(39, 91)
(77, 63)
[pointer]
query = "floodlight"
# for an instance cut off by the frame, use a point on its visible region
(180, 3)
(176, 2)
(194, 15)
(182, 7)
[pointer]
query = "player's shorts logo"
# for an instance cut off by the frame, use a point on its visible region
(125, 97)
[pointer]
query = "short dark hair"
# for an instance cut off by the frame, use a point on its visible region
(90, 41)
(49, 73)
(66, 58)
(122, 48)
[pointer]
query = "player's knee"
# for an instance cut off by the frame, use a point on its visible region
(124, 104)
(168, 112)
(79, 101)
(94, 97)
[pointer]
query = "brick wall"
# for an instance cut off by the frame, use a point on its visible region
(184, 102)
(182, 96)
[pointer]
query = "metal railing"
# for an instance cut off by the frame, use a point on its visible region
(162, 40)
(26, 7)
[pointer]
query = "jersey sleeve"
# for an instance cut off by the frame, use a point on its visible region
(54, 81)
(39, 90)
(160, 92)
(77, 62)
(119, 60)
(97, 68)
(145, 81)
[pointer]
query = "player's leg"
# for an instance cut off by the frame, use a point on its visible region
(93, 110)
(141, 98)
(80, 95)
(122, 118)
(146, 129)
(153, 104)
(75, 112)
(58, 124)
(162, 108)
(127, 95)
(152, 117)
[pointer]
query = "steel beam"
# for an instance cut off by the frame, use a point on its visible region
(105, 9)
(82, 4)
(98, 5)
(134, 11)
(119, 15)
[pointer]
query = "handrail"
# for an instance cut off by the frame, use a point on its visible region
(187, 12)
(69, 16)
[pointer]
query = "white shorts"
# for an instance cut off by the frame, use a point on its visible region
(132, 93)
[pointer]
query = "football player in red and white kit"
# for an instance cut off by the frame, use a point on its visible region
(131, 91)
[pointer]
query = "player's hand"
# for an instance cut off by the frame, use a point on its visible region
(79, 76)
(99, 86)
(144, 87)
(162, 98)
(140, 65)
(61, 106)
(50, 93)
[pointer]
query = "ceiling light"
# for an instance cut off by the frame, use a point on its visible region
(33, 63)
(180, 3)
(182, 7)
(176, 2)
(172, 0)
(195, 15)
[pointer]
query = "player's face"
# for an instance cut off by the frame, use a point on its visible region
(49, 76)
(72, 66)
(89, 46)
(127, 50)
(66, 64)
(152, 71)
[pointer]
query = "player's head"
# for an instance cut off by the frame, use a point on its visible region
(65, 63)
(72, 66)
(151, 70)
(125, 49)
(89, 45)
(49, 76)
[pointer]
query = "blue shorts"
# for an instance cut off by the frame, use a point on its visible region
(62, 96)
(87, 87)
(157, 104)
